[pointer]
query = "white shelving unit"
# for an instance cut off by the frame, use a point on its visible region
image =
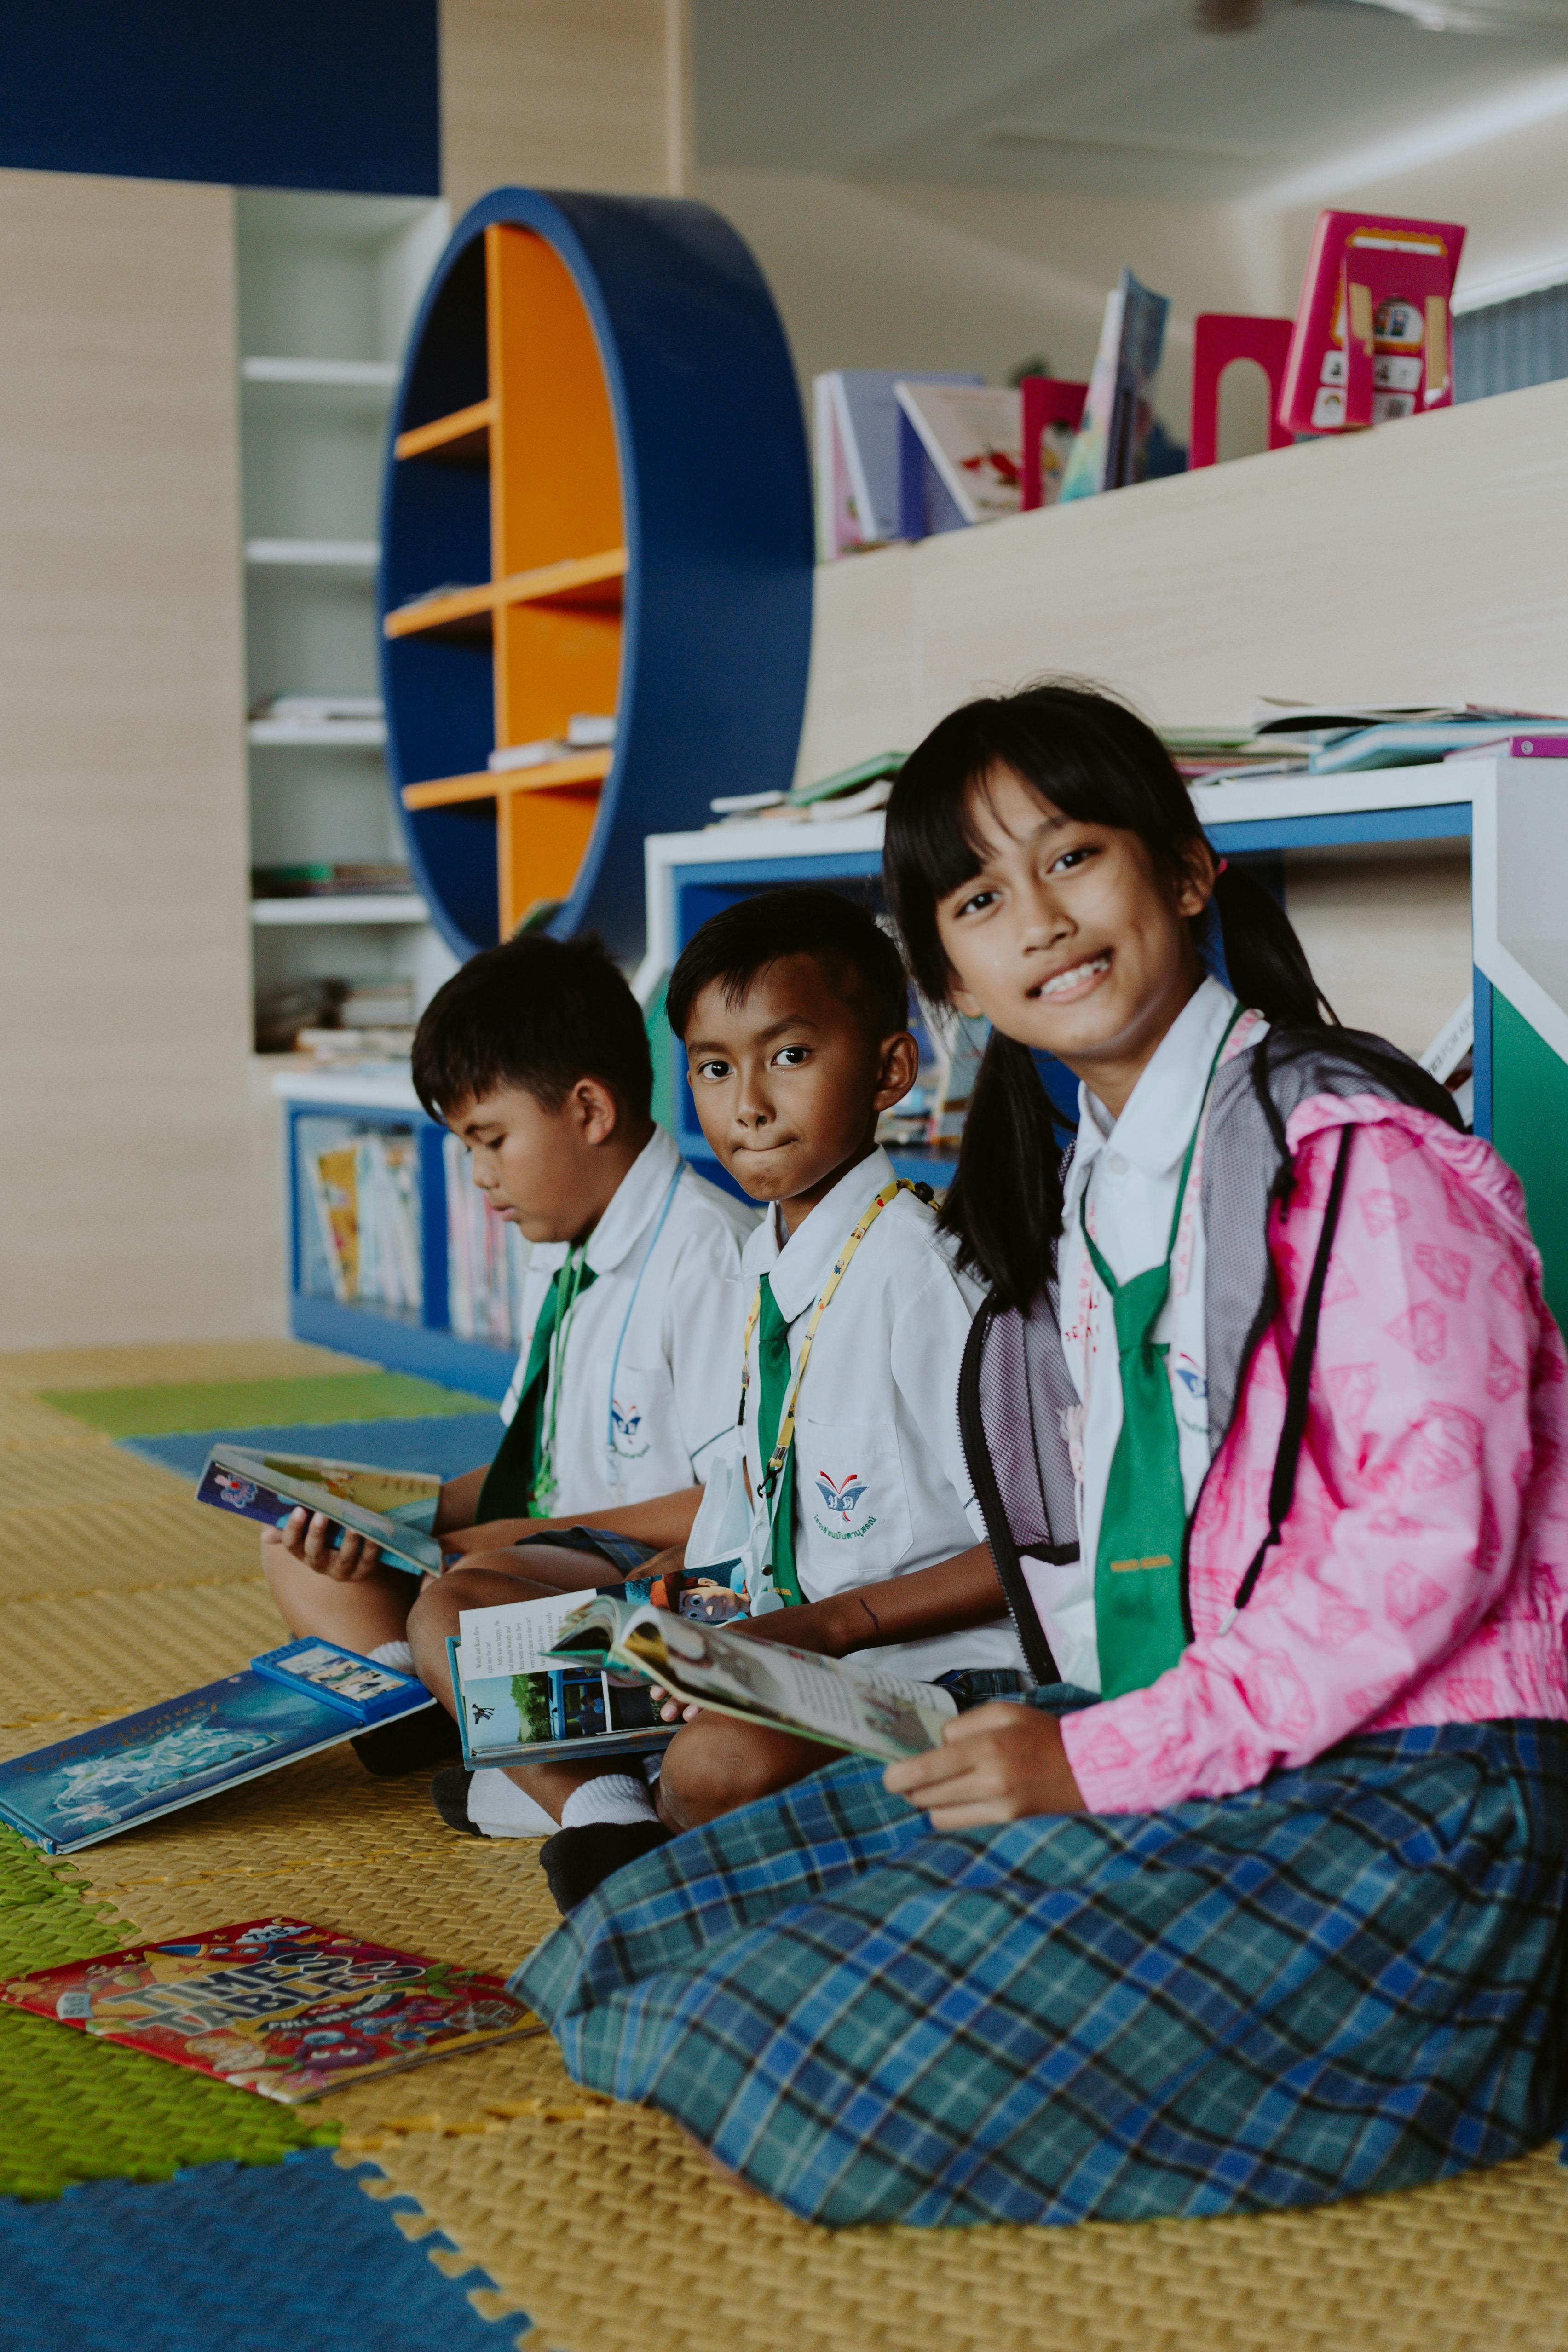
(328, 287)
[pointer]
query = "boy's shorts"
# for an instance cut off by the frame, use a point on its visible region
(623, 1554)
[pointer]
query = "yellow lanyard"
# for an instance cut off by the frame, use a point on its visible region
(786, 1419)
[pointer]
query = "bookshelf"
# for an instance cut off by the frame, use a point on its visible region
(327, 286)
(597, 501)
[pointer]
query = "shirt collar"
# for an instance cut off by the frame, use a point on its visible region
(799, 1271)
(635, 1203)
(1160, 1114)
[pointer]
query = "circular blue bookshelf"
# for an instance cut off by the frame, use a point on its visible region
(598, 506)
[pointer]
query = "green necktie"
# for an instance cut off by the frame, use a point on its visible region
(1142, 1526)
(509, 1482)
(774, 1376)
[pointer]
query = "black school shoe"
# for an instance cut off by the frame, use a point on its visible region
(449, 1795)
(412, 1744)
(576, 1862)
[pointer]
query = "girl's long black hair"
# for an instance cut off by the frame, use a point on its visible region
(1096, 760)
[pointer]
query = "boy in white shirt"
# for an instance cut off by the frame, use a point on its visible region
(791, 1007)
(535, 1053)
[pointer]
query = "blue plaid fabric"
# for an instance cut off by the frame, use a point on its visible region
(1349, 1979)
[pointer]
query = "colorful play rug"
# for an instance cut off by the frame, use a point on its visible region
(485, 2201)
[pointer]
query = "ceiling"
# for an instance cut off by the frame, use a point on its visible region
(1096, 97)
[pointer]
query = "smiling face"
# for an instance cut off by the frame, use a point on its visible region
(1067, 939)
(789, 1083)
(551, 1173)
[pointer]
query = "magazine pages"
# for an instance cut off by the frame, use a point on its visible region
(842, 1703)
(396, 1508)
(288, 1702)
(519, 1704)
(275, 2006)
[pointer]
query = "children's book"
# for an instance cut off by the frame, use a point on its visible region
(1373, 337)
(842, 1703)
(396, 1508)
(275, 2006)
(973, 436)
(288, 1702)
(1119, 412)
(856, 418)
(517, 1703)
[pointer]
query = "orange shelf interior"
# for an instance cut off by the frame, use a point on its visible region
(552, 610)
(460, 439)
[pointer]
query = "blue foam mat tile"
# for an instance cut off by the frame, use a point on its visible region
(446, 1444)
(290, 2257)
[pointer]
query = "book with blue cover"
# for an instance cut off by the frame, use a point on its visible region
(291, 1702)
(394, 1508)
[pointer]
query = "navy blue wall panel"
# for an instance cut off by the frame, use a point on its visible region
(265, 93)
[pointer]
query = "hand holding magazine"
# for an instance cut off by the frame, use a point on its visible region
(393, 1508)
(843, 1703)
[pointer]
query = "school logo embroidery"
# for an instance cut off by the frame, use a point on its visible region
(626, 1421)
(843, 1497)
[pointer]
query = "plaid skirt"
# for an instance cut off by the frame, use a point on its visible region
(1349, 1979)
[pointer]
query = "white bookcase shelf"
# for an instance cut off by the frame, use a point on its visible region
(336, 734)
(321, 554)
(291, 914)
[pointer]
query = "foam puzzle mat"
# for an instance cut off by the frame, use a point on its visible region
(486, 2198)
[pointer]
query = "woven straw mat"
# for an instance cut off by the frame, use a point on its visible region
(601, 2222)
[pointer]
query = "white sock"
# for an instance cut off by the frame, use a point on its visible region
(499, 1808)
(609, 1797)
(393, 1654)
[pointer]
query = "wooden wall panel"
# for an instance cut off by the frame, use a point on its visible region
(125, 1162)
(563, 94)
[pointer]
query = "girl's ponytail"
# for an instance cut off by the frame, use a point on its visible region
(1005, 1205)
(1265, 961)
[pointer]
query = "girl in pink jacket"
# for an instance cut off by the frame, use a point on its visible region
(1259, 1900)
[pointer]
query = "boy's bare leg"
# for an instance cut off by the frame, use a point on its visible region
(361, 1613)
(715, 1764)
(490, 1581)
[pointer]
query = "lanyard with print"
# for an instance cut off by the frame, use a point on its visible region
(1143, 1524)
(777, 1493)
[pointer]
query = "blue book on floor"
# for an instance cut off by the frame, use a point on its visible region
(288, 1702)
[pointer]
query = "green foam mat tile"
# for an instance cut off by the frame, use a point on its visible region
(73, 2109)
(162, 1409)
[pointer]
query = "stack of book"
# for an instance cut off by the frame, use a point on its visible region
(485, 1259)
(1286, 738)
(365, 1193)
(331, 877)
(851, 791)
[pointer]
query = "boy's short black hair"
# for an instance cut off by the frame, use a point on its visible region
(535, 1013)
(733, 948)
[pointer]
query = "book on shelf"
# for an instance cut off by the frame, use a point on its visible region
(590, 730)
(1052, 412)
(394, 1508)
(843, 1703)
(517, 1704)
(1373, 339)
(334, 1048)
(291, 1702)
(1299, 739)
(366, 1195)
(1119, 413)
(849, 792)
(276, 2006)
(962, 455)
(486, 1258)
(332, 878)
(855, 420)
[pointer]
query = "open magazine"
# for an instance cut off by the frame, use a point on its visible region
(519, 1704)
(396, 1508)
(275, 2006)
(291, 1702)
(843, 1703)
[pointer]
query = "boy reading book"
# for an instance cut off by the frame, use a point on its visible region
(839, 1504)
(535, 1056)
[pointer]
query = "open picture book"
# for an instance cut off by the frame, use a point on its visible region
(291, 1702)
(275, 2006)
(396, 1508)
(519, 1704)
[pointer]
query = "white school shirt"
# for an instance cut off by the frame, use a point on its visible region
(1129, 1169)
(880, 1482)
(648, 1376)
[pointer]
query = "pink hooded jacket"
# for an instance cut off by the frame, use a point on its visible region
(1422, 1572)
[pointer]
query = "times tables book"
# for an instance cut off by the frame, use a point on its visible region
(276, 2006)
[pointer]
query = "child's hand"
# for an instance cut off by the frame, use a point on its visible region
(308, 1537)
(999, 1762)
